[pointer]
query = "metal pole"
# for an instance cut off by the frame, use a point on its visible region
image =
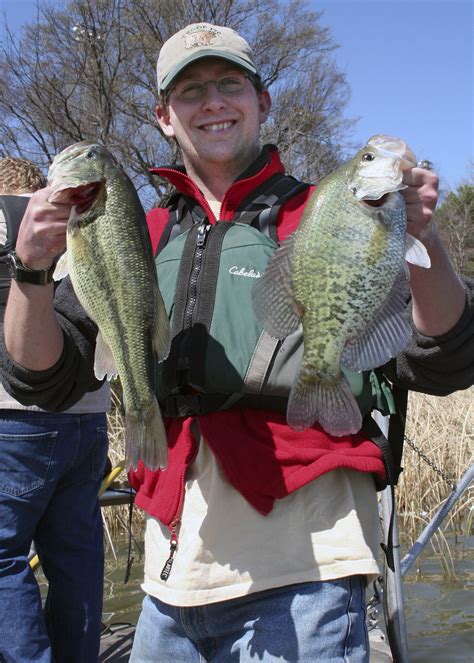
(436, 521)
(394, 609)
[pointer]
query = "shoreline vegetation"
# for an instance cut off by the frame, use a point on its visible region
(442, 428)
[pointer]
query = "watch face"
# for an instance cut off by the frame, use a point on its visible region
(12, 265)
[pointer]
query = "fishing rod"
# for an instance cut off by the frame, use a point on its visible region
(436, 521)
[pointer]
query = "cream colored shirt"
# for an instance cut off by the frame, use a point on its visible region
(215, 206)
(326, 530)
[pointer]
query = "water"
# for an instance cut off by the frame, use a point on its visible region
(439, 610)
(122, 601)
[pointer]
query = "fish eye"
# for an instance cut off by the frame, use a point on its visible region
(368, 156)
(91, 154)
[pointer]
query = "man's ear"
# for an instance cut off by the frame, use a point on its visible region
(264, 105)
(163, 118)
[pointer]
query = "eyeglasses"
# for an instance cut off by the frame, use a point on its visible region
(195, 90)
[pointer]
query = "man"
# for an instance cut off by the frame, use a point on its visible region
(51, 469)
(259, 539)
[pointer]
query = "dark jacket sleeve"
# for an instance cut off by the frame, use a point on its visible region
(442, 364)
(62, 385)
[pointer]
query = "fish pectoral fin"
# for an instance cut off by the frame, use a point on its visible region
(161, 336)
(385, 337)
(331, 404)
(273, 295)
(104, 362)
(416, 253)
(62, 268)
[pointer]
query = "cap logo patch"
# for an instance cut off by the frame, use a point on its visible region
(199, 37)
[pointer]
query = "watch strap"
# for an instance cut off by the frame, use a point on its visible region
(23, 274)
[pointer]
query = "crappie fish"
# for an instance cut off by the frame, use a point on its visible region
(342, 275)
(110, 262)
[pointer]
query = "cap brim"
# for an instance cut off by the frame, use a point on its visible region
(205, 53)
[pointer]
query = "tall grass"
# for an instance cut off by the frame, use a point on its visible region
(442, 428)
(116, 517)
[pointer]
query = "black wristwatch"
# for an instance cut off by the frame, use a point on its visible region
(23, 274)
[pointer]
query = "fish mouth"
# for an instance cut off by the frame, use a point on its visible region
(82, 196)
(380, 202)
(384, 200)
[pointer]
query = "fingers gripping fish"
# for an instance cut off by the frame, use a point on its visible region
(110, 262)
(342, 275)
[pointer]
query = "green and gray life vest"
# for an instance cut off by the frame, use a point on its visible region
(220, 357)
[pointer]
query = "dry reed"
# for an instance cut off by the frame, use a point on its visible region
(443, 430)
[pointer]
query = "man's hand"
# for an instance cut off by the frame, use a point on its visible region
(42, 233)
(421, 197)
(438, 293)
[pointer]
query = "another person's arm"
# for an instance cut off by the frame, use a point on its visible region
(48, 342)
(33, 336)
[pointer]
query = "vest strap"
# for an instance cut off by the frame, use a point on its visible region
(259, 363)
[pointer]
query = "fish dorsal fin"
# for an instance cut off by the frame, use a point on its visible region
(385, 337)
(161, 337)
(416, 253)
(272, 296)
(104, 362)
(62, 268)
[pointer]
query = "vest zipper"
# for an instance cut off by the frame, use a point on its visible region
(184, 348)
(201, 238)
(165, 573)
(173, 528)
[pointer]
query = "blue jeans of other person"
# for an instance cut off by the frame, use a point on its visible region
(51, 468)
(315, 622)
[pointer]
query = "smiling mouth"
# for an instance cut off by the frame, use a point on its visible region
(217, 126)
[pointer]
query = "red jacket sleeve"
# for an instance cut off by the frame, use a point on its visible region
(156, 219)
(291, 212)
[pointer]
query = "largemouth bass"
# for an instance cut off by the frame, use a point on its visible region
(342, 275)
(110, 262)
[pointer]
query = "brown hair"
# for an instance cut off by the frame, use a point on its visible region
(19, 175)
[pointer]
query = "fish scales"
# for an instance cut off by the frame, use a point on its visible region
(341, 273)
(95, 290)
(342, 251)
(112, 270)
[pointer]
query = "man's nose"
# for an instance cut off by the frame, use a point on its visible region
(212, 96)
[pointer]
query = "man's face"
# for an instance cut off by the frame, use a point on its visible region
(219, 128)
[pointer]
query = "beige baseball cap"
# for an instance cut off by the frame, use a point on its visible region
(201, 40)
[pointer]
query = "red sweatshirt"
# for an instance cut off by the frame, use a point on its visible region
(259, 454)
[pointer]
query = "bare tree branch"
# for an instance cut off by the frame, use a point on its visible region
(88, 71)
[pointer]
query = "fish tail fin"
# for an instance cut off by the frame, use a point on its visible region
(331, 404)
(145, 438)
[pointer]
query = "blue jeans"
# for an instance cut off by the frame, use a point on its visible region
(51, 468)
(315, 622)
